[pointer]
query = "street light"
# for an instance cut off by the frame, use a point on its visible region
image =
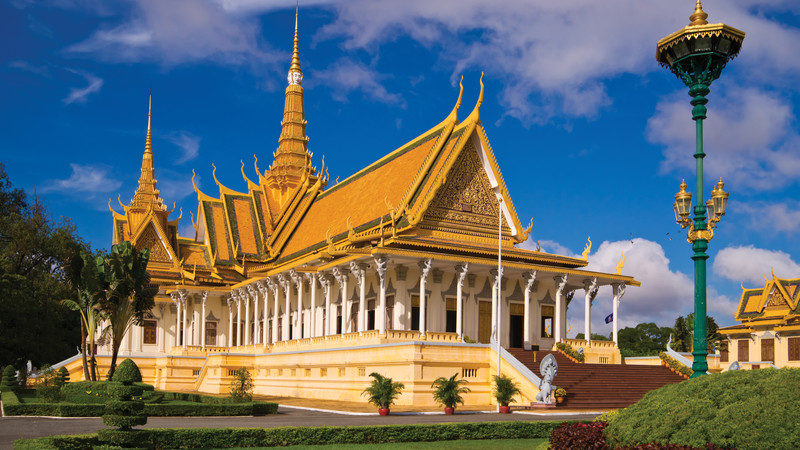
(696, 54)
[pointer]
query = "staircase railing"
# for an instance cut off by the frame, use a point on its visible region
(516, 364)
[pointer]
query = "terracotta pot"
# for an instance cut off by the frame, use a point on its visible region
(449, 411)
(383, 411)
(505, 409)
(559, 399)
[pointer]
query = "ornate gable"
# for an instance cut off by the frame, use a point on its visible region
(150, 238)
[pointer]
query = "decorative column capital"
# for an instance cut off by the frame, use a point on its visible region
(252, 291)
(204, 294)
(461, 271)
(230, 301)
(183, 294)
(590, 286)
(296, 278)
(381, 263)
(358, 271)
(324, 281)
(425, 268)
(619, 290)
(530, 278)
(340, 274)
(561, 283)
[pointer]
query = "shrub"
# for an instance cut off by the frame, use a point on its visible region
(569, 351)
(49, 386)
(9, 381)
(744, 409)
(382, 392)
(242, 386)
(127, 371)
(123, 410)
(447, 391)
(505, 389)
(560, 392)
(63, 375)
(676, 365)
(569, 436)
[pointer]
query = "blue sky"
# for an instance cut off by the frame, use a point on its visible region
(593, 138)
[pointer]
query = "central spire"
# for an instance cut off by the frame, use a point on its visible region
(146, 195)
(292, 159)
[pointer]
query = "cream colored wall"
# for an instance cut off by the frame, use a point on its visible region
(781, 351)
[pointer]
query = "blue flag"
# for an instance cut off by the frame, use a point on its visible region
(610, 318)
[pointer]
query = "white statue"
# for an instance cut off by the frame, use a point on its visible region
(548, 368)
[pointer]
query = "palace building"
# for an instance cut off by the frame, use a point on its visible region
(769, 330)
(313, 286)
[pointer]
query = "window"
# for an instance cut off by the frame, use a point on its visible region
(389, 312)
(450, 321)
(211, 333)
(547, 321)
(794, 349)
(768, 350)
(744, 350)
(723, 352)
(371, 314)
(415, 312)
(149, 328)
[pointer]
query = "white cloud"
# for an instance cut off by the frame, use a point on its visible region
(750, 265)
(28, 67)
(346, 76)
(750, 137)
(179, 31)
(188, 143)
(781, 217)
(79, 95)
(88, 178)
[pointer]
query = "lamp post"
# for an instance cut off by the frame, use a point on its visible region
(696, 54)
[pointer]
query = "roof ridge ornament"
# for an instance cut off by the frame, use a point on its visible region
(476, 110)
(699, 16)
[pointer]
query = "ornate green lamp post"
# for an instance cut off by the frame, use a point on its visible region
(696, 54)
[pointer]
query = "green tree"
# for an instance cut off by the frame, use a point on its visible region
(242, 386)
(712, 334)
(85, 273)
(33, 251)
(645, 339)
(682, 335)
(447, 391)
(595, 337)
(129, 296)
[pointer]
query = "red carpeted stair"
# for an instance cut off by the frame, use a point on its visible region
(599, 386)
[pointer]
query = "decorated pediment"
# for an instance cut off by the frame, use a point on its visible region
(151, 238)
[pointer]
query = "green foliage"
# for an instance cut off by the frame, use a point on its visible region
(469, 340)
(505, 388)
(646, 339)
(675, 364)
(63, 375)
(447, 391)
(242, 386)
(126, 409)
(127, 372)
(743, 409)
(288, 436)
(608, 416)
(33, 250)
(712, 335)
(595, 337)
(9, 382)
(681, 335)
(49, 386)
(382, 392)
(568, 350)
(560, 392)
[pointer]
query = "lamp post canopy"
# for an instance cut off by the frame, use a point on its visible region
(699, 51)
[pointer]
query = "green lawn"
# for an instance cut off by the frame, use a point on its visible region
(500, 444)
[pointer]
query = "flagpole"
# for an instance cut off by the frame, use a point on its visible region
(499, 279)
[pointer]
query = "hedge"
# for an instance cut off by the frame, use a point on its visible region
(285, 436)
(676, 365)
(569, 351)
(150, 409)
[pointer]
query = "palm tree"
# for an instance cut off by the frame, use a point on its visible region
(447, 391)
(505, 388)
(383, 391)
(86, 274)
(130, 295)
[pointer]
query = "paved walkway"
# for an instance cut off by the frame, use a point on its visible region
(12, 428)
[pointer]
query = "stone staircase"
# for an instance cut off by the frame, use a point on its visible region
(599, 386)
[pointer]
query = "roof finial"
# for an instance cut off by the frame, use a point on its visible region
(295, 67)
(699, 17)
(148, 142)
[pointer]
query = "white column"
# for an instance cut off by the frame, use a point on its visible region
(341, 278)
(461, 273)
(275, 308)
(239, 298)
(203, 321)
(182, 293)
(297, 331)
(619, 291)
(176, 300)
(262, 288)
(497, 303)
(193, 338)
(380, 264)
(312, 306)
(254, 298)
(325, 282)
(229, 338)
(162, 329)
(561, 284)
(529, 278)
(285, 283)
(590, 291)
(359, 274)
(424, 270)
(243, 297)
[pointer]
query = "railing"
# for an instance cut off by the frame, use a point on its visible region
(441, 337)
(514, 362)
(577, 343)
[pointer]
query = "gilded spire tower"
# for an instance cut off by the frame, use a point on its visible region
(292, 159)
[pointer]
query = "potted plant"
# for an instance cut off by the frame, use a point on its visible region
(505, 388)
(560, 394)
(382, 392)
(447, 392)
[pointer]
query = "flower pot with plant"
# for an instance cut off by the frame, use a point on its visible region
(560, 394)
(447, 392)
(505, 388)
(382, 392)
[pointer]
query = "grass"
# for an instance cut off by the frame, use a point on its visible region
(499, 444)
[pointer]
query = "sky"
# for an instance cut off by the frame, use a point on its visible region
(593, 138)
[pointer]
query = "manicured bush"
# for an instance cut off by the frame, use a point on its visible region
(569, 351)
(584, 436)
(49, 386)
(743, 409)
(286, 436)
(676, 365)
(125, 410)
(63, 375)
(9, 381)
(128, 371)
(242, 386)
